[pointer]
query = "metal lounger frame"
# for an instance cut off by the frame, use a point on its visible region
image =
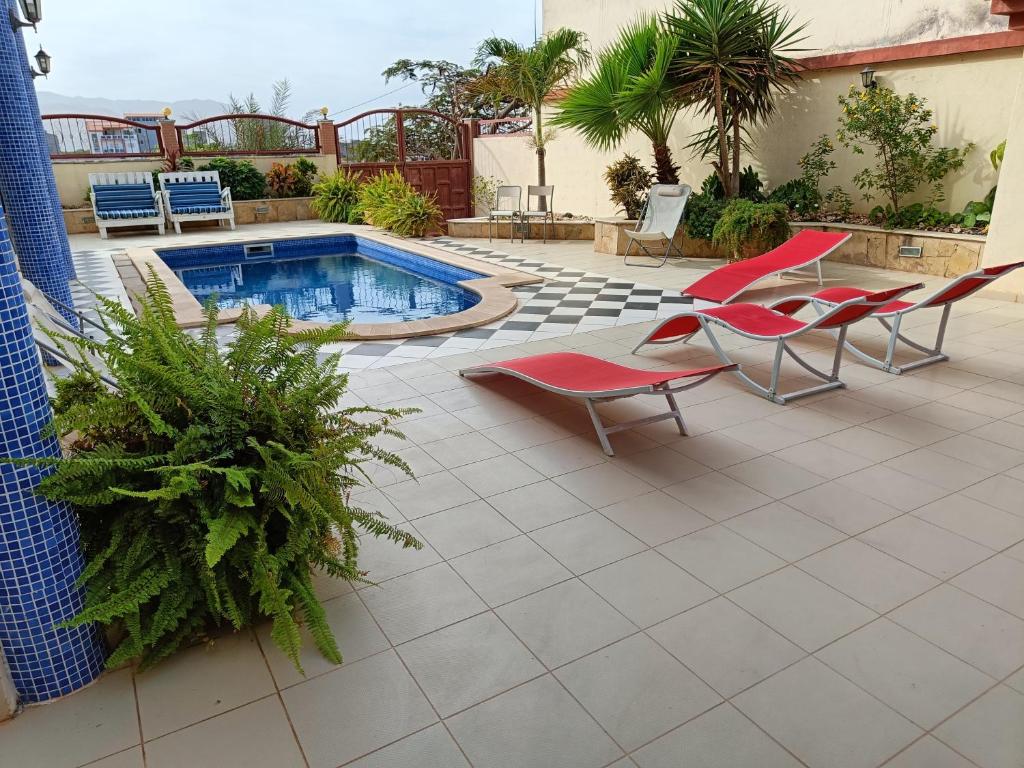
(830, 380)
(591, 398)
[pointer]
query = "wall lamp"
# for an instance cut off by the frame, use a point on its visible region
(31, 10)
(867, 77)
(43, 61)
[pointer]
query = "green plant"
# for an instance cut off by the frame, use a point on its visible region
(914, 216)
(979, 213)
(412, 215)
(818, 162)
(172, 163)
(281, 180)
(628, 90)
(305, 176)
(703, 211)
(750, 186)
(484, 189)
(744, 224)
(629, 182)
(245, 180)
(731, 63)
(378, 193)
(799, 197)
(528, 75)
(336, 196)
(901, 132)
(211, 483)
(837, 202)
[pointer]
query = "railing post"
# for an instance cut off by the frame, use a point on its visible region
(470, 130)
(328, 139)
(400, 136)
(169, 138)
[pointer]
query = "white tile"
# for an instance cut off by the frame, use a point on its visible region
(925, 546)
(773, 476)
(463, 529)
(998, 580)
(721, 558)
(717, 496)
(431, 746)
(509, 570)
(587, 542)
(656, 517)
(974, 520)
(989, 730)
(784, 531)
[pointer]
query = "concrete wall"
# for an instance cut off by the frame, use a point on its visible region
(832, 25)
(967, 92)
(73, 175)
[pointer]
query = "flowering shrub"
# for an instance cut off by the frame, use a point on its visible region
(901, 132)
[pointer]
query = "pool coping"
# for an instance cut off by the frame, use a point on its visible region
(494, 289)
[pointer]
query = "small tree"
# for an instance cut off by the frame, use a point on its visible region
(529, 74)
(901, 132)
(629, 182)
(629, 90)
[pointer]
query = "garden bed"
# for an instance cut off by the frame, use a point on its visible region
(942, 253)
(610, 237)
(564, 229)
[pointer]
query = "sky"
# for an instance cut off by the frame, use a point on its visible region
(332, 51)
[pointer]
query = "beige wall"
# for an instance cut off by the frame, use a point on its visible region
(967, 92)
(73, 175)
(832, 25)
(1006, 235)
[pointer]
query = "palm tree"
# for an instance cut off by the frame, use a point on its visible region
(731, 63)
(529, 74)
(629, 90)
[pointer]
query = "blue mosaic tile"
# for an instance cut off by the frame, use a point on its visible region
(304, 247)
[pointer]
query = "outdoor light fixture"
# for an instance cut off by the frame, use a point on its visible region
(43, 62)
(32, 12)
(867, 77)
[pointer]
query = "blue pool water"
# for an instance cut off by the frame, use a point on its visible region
(327, 279)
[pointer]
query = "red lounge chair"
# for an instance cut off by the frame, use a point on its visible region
(753, 321)
(595, 381)
(892, 314)
(807, 247)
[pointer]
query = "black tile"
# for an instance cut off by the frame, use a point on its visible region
(517, 325)
(593, 279)
(603, 312)
(476, 333)
(619, 285)
(574, 303)
(532, 309)
(639, 305)
(616, 297)
(592, 289)
(561, 283)
(676, 300)
(563, 319)
(426, 341)
(377, 350)
(646, 292)
(549, 269)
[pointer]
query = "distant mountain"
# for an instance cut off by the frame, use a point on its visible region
(54, 103)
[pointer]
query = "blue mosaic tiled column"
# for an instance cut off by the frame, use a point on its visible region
(38, 234)
(44, 150)
(39, 553)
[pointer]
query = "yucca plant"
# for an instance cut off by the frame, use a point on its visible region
(629, 90)
(211, 483)
(732, 61)
(335, 196)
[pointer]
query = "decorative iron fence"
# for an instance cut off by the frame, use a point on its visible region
(505, 126)
(93, 136)
(246, 134)
(399, 136)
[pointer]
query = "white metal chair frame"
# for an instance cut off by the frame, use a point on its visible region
(127, 177)
(185, 177)
(590, 399)
(891, 322)
(645, 231)
(830, 379)
(548, 194)
(497, 213)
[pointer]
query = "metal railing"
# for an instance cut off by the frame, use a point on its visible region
(505, 126)
(247, 134)
(97, 136)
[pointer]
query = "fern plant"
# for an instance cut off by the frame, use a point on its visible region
(212, 482)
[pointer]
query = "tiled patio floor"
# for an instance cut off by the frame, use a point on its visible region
(837, 582)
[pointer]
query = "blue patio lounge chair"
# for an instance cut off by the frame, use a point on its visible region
(196, 196)
(125, 200)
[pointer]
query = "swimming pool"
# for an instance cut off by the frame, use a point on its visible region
(325, 279)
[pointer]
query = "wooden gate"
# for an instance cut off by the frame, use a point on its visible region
(430, 149)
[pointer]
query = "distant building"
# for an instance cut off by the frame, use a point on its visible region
(106, 137)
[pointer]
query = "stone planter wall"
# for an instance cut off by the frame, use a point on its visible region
(562, 230)
(610, 237)
(943, 254)
(81, 221)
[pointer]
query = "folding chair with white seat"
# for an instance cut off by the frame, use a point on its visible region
(508, 204)
(544, 213)
(659, 220)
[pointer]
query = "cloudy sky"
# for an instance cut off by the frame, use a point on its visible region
(332, 51)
